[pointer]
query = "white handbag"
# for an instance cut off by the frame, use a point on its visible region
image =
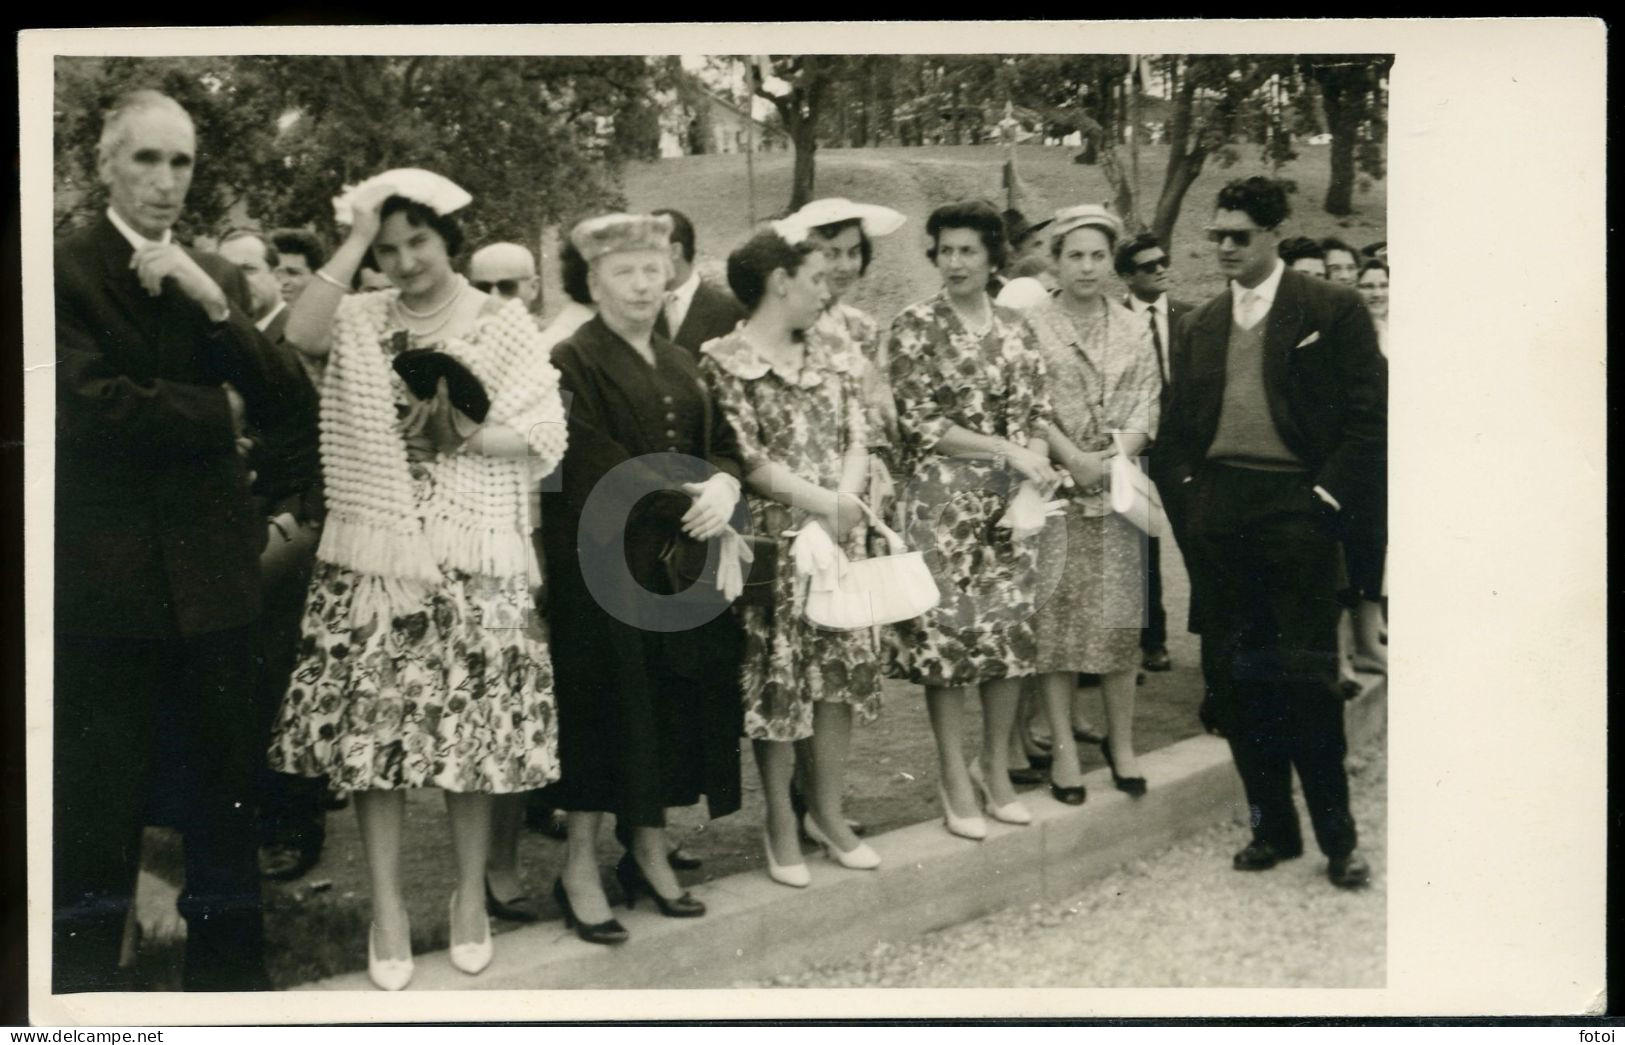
(847, 596)
(1134, 496)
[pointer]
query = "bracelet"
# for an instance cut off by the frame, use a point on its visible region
(322, 275)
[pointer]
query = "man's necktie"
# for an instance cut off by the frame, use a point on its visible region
(1249, 309)
(1156, 343)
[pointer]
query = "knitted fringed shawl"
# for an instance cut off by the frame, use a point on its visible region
(477, 518)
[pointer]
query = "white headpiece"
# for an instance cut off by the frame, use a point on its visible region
(875, 219)
(792, 230)
(435, 191)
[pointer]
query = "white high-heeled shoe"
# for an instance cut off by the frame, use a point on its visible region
(794, 875)
(1010, 813)
(388, 974)
(471, 958)
(863, 858)
(972, 827)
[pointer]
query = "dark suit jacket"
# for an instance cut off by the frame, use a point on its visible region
(713, 313)
(1177, 311)
(156, 531)
(1324, 379)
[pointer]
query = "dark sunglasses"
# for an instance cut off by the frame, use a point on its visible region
(506, 287)
(1243, 237)
(1154, 265)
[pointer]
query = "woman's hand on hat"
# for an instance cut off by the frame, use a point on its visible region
(364, 207)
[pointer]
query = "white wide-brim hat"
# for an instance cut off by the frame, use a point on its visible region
(435, 191)
(874, 219)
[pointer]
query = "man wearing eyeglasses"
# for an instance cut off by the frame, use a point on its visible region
(1272, 448)
(506, 270)
(1142, 264)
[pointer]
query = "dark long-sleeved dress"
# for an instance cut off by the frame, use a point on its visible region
(647, 682)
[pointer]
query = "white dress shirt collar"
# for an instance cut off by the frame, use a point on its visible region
(265, 322)
(136, 240)
(679, 299)
(1263, 294)
(1139, 307)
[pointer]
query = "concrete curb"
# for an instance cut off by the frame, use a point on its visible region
(756, 929)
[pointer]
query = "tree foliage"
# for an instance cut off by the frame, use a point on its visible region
(534, 139)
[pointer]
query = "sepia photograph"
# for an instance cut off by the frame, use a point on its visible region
(591, 519)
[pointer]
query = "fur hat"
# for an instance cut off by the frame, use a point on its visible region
(609, 233)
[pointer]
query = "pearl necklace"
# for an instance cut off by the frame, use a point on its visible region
(443, 310)
(400, 302)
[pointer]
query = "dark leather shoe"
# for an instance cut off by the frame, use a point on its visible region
(1072, 796)
(1026, 777)
(1349, 872)
(284, 863)
(519, 909)
(1261, 856)
(1157, 660)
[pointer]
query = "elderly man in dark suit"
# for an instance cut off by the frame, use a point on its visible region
(695, 311)
(1271, 449)
(160, 372)
(1142, 264)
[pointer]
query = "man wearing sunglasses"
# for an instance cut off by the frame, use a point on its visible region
(1142, 264)
(1273, 447)
(506, 270)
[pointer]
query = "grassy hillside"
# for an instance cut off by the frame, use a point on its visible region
(712, 191)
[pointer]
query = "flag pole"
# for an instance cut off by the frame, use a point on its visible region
(1134, 78)
(750, 145)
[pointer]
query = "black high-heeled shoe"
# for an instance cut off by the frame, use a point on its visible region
(634, 881)
(1072, 796)
(1129, 785)
(603, 932)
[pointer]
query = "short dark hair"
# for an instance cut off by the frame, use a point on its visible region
(1331, 243)
(865, 246)
(573, 269)
(1124, 261)
(1372, 250)
(421, 215)
(271, 258)
(976, 215)
(682, 230)
(759, 257)
(1373, 265)
(302, 242)
(1299, 247)
(1259, 198)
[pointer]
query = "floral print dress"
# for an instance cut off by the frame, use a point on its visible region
(805, 422)
(455, 692)
(944, 375)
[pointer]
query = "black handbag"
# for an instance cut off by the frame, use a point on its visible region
(422, 369)
(692, 562)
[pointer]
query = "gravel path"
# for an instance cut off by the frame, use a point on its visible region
(1180, 918)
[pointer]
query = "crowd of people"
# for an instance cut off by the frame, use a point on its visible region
(351, 521)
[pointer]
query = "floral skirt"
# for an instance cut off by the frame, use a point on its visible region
(982, 630)
(789, 662)
(456, 693)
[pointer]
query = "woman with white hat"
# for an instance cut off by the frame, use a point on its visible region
(847, 231)
(422, 663)
(1103, 386)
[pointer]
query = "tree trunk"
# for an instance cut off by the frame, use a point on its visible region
(1343, 116)
(1184, 163)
